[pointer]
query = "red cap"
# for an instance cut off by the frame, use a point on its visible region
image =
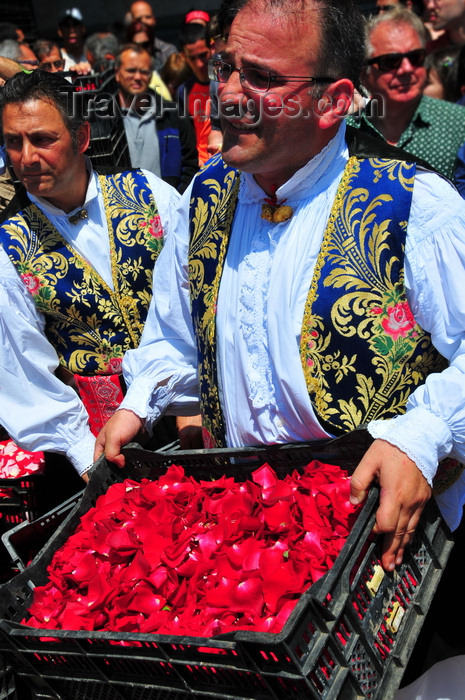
(197, 14)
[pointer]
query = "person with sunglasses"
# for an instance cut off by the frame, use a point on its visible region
(398, 112)
(49, 55)
(310, 288)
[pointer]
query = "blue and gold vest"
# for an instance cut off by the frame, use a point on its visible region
(362, 352)
(90, 325)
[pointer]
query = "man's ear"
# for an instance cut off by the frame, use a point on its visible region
(83, 137)
(335, 103)
(60, 33)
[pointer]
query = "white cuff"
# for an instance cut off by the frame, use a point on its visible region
(81, 454)
(424, 437)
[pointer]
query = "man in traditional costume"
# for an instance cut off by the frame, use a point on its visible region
(316, 284)
(76, 259)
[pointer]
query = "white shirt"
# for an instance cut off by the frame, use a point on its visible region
(70, 60)
(36, 408)
(141, 135)
(263, 289)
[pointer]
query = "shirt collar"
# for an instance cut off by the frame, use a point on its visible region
(91, 194)
(422, 116)
(317, 170)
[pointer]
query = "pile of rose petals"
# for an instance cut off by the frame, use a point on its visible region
(197, 558)
(16, 463)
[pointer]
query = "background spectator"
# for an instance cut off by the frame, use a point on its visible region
(143, 35)
(441, 78)
(175, 72)
(49, 55)
(72, 31)
(159, 140)
(194, 94)
(141, 10)
(197, 17)
(395, 76)
(22, 53)
(100, 50)
(448, 16)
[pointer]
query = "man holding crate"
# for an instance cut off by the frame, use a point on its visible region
(314, 280)
(76, 260)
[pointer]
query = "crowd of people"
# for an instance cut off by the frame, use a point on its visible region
(274, 255)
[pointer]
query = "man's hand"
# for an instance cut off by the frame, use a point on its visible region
(122, 427)
(190, 432)
(404, 493)
(83, 68)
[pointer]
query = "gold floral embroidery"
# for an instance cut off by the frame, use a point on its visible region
(96, 325)
(370, 308)
(212, 210)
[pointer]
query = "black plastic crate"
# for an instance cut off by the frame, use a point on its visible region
(25, 540)
(108, 150)
(349, 636)
(21, 499)
(7, 681)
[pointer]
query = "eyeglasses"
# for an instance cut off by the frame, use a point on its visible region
(392, 61)
(255, 79)
(48, 65)
(31, 62)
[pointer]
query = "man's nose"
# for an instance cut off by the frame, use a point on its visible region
(29, 154)
(406, 66)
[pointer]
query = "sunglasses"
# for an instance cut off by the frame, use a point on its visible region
(392, 61)
(58, 64)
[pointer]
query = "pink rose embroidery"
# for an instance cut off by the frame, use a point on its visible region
(399, 321)
(155, 227)
(115, 365)
(32, 282)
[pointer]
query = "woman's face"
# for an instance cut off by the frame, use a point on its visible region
(434, 87)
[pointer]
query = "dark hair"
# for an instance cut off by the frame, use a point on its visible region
(8, 31)
(342, 50)
(42, 47)
(445, 63)
(50, 87)
(191, 33)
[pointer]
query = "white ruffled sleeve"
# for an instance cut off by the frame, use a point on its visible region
(434, 424)
(38, 411)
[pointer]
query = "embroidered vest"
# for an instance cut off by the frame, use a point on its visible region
(90, 325)
(362, 353)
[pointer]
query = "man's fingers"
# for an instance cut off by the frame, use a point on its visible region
(404, 493)
(361, 480)
(99, 448)
(398, 526)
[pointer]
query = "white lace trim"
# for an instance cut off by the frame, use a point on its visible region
(253, 316)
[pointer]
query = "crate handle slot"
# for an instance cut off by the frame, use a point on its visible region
(374, 583)
(395, 618)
